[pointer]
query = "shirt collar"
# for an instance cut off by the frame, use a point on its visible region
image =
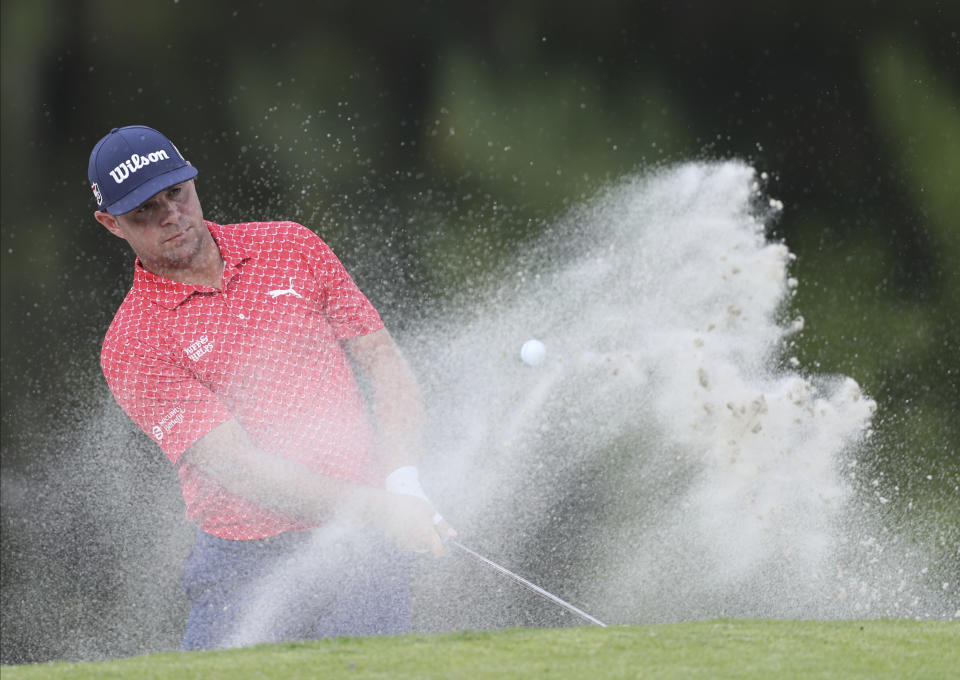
(169, 294)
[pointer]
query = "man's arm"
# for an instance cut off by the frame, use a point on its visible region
(228, 455)
(398, 411)
(397, 405)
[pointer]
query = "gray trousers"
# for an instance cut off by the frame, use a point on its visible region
(295, 586)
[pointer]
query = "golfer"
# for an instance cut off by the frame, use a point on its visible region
(236, 350)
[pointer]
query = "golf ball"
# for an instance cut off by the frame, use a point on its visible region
(533, 352)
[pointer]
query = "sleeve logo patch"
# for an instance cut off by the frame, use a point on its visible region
(169, 421)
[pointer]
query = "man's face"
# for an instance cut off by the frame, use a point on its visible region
(166, 231)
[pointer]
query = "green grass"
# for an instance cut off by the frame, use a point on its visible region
(708, 649)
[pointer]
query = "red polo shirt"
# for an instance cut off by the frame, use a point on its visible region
(265, 349)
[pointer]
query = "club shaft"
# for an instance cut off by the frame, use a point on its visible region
(526, 584)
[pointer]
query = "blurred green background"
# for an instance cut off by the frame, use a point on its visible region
(443, 134)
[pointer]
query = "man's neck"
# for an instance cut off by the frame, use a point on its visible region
(205, 269)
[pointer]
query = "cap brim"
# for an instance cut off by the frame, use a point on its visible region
(151, 188)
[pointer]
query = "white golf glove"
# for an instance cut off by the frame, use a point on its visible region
(406, 480)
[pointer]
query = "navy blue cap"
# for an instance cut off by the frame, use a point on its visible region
(131, 164)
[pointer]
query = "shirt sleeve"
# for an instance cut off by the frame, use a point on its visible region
(348, 310)
(165, 401)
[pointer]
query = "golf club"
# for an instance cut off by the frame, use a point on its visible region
(526, 584)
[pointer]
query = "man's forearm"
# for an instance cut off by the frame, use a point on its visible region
(227, 454)
(398, 409)
(397, 404)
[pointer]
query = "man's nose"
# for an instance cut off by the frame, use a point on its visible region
(169, 211)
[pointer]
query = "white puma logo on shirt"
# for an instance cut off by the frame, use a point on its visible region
(284, 291)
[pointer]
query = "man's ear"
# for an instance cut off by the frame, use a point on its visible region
(110, 222)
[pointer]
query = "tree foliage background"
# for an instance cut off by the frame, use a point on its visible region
(449, 132)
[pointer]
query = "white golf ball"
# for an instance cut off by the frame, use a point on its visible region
(533, 352)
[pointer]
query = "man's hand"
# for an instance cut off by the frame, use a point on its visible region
(409, 522)
(405, 481)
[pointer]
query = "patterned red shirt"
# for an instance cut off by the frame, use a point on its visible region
(181, 359)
